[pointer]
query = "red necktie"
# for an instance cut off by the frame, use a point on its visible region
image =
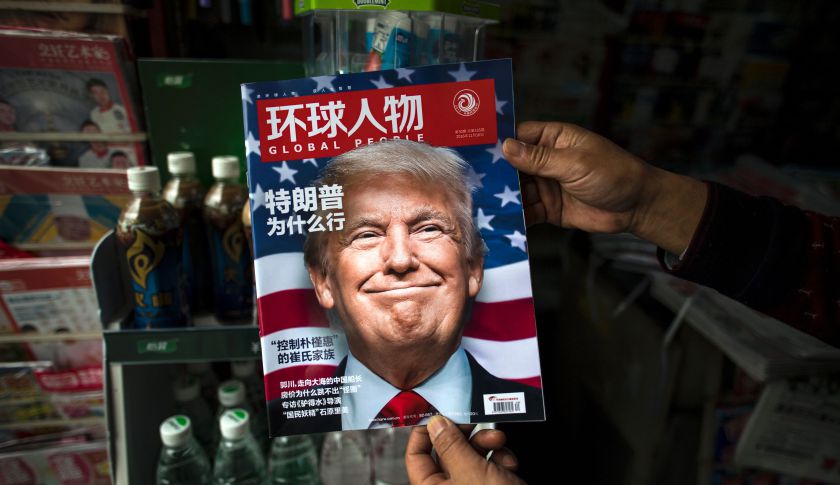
(406, 409)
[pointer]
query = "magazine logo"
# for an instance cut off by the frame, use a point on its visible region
(324, 125)
(466, 102)
(372, 3)
(496, 398)
(72, 52)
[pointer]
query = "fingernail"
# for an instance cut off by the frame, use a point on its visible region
(513, 147)
(436, 426)
(508, 461)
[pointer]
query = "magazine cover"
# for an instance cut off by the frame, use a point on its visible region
(60, 82)
(45, 209)
(391, 260)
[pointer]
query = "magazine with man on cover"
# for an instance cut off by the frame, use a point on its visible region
(390, 252)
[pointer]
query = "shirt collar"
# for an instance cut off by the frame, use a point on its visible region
(449, 390)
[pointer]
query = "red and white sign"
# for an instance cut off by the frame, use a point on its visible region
(325, 125)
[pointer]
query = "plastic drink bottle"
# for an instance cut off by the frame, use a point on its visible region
(388, 446)
(246, 372)
(203, 371)
(239, 460)
(345, 458)
(188, 401)
(233, 292)
(149, 235)
(231, 394)
(186, 194)
(293, 460)
(182, 461)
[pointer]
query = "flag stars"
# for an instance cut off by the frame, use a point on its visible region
(462, 74)
(473, 179)
(403, 73)
(286, 173)
(257, 198)
(312, 161)
(482, 220)
(500, 105)
(508, 196)
(496, 151)
(517, 240)
(381, 83)
(323, 82)
(246, 94)
(252, 145)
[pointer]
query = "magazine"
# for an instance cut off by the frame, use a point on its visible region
(63, 82)
(391, 259)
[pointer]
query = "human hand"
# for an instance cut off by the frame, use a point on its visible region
(459, 461)
(572, 177)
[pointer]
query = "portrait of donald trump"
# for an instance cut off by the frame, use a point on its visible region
(400, 280)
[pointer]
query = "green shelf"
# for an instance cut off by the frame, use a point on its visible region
(194, 344)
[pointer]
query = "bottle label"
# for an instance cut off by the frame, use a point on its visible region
(155, 273)
(232, 288)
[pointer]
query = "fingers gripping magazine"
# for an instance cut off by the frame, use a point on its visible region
(391, 259)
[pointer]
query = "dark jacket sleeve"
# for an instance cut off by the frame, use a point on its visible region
(777, 259)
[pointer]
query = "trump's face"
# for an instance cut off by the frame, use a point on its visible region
(398, 274)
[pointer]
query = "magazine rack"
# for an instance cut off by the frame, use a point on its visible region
(138, 364)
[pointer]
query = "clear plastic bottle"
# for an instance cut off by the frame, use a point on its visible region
(345, 458)
(149, 235)
(188, 400)
(246, 371)
(233, 292)
(231, 395)
(239, 461)
(186, 194)
(388, 447)
(182, 461)
(293, 460)
(203, 371)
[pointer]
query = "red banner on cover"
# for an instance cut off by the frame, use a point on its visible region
(325, 125)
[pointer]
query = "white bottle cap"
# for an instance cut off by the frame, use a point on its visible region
(242, 368)
(231, 393)
(181, 162)
(225, 167)
(144, 179)
(234, 424)
(176, 430)
(186, 388)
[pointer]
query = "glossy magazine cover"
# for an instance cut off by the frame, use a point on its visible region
(390, 252)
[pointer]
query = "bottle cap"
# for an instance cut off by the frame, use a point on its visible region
(181, 162)
(146, 179)
(176, 430)
(225, 167)
(242, 369)
(231, 393)
(234, 424)
(186, 388)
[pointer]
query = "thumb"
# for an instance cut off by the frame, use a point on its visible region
(538, 160)
(455, 454)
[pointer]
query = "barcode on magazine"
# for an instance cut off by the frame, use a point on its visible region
(504, 403)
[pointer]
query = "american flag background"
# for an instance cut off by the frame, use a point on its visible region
(501, 334)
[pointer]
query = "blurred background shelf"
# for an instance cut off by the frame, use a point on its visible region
(159, 346)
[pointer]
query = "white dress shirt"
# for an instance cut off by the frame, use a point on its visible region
(449, 390)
